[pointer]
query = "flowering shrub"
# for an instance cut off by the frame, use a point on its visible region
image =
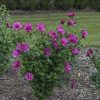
(5, 42)
(45, 59)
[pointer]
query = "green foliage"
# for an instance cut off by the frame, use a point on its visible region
(11, 4)
(95, 4)
(64, 4)
(96, 79)
(82, 4)
(45, 4)
(28, 4)
(8, 38)
(96, 59)
(4, 40)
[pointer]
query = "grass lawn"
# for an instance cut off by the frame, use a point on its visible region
(88, 20)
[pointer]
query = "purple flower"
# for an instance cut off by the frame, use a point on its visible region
(24, 47)
(62, 21)
(17, 26)
(53, 35)
(41, 27)
(73, 83)
(16, 53)
(76, 51)
(73, 38)
(84, 33)
(71, 14)
(29, 76)
(28, 27)
(55, 44)
(67, 67)
(71, 22)
(60, 29)
(16, 65)
(64, 41)
(89, 52)
(47, 52)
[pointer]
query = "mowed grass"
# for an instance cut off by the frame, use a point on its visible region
(88, 20)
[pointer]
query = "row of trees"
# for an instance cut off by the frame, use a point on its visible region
(50, 4)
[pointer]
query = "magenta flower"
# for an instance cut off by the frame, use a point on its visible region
(62, 21)
(73, 83)
(41, 27)
(47, 52)
(71, 14)
(16, 53)
(75, 51)
(53, 35)
(16, 65)
(89, 52)
(55, 44)
(17, 26)
(71, 22)
(60, 29)
(64, 41)
(84, 33)
(28, 27)
(29, 76)
(73, 38)
(67, 67)
(24, 47)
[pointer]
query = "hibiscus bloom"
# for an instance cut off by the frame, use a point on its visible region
(89, 52)
(60, 30)
(67, 67)
(47, 52)
(24, 47)
(16, 65)
(41, 27)
(75, 51)
(17, 26)
(53, 35)
(73, 83)
(16, 53)
(64, 41)
(29, 76)
(71, 14)
(62, 21)
(71, 22)
(84, 33)
(73, 38)
(28, 27)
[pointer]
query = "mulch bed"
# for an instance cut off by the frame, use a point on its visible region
(14, 88)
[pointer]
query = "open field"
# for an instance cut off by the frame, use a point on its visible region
(88, 20)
